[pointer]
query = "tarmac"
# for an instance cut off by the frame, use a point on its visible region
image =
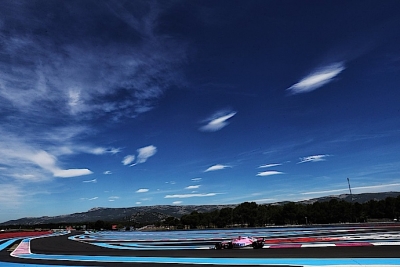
(60, 250)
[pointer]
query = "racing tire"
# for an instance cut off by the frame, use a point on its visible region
(218, 246)
(258, 244)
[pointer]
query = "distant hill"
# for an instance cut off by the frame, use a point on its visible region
(139, 214)
(155, 213)
(359, 198)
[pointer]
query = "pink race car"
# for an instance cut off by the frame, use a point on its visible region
(241, 242)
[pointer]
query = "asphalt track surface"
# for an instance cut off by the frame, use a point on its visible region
(61, 245)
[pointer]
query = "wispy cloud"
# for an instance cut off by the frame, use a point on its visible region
(128, 159)
(268, 173)
(314, 158)
(270, 165)
(217, 121)
(48, 162)
(217, 167)
(144, 153)
(62, 80)
(142, 190)
(342, 190)
(90, 199)
(113, 198)
(107, 172)
(90, 181)
(317, 78)
(71, 173)
(177, 202)
(103, 150)
(11, 195)
(23, 161)
(191, 195)
(196, 179)
(193, 187)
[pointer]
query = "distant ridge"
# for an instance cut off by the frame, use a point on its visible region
(158, 212)
(144, 214)
(359, 198)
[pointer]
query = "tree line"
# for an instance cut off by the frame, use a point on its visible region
(251, 214)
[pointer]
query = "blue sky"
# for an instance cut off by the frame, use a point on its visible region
(136, 103)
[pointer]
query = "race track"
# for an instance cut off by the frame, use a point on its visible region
(355, 246)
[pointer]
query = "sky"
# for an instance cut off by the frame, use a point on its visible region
(135, 103)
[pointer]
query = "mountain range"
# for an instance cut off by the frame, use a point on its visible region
(160, 212)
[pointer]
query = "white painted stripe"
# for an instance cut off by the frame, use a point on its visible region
(320, 245)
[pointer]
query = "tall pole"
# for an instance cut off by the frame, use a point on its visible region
(351, 203)
(348, 181)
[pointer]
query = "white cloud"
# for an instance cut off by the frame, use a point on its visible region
(177, 202)
(138, 203)
(193, 187)
(89, 199)
(27, 177)
(216, 167)
(144, 153)
(103, 150)
(343, 190)
(90, 181)
(268, 173)
(71, 173)
(128, 159)
(314, 158)
(24, 156)
(317, 79)
(217, 121)
(142, 190)
(196, 179)
(107, 172)
(270, 165)
(191, 195)
(113, 198)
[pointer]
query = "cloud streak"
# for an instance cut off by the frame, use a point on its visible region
(315, 158)
(90, 181)
(193, 187)
(218, 121)
(142, 190)
(269, 165)
(216, 167)
(317, 79)
(191, 195)
(269, 173)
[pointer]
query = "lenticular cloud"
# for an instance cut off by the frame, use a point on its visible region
(217, 122)
(317, 79)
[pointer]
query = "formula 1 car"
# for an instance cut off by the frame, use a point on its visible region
(241, 242)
